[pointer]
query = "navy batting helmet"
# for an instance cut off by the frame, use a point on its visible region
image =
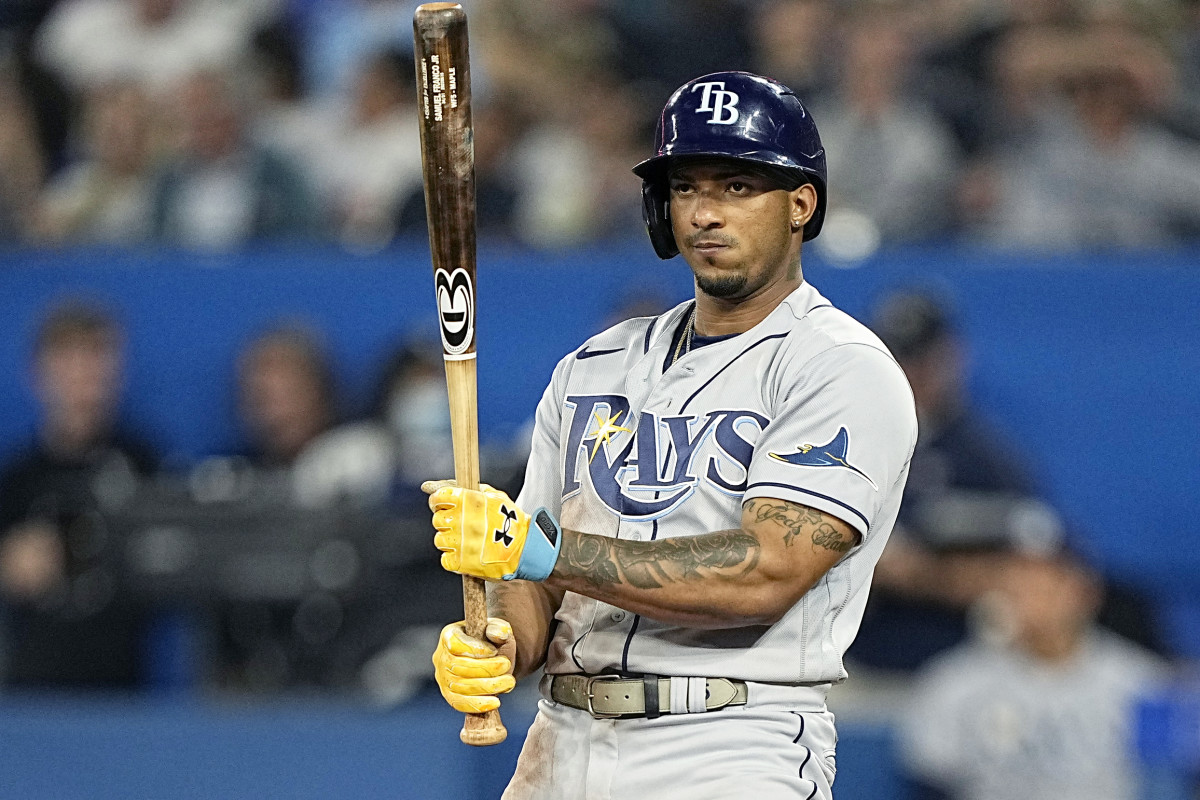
(733, 115)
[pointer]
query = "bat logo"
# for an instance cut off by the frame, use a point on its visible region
(456, 310)
(825, 455)
(716, 100)
(502, 534)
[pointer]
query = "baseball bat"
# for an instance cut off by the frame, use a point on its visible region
(448, 167)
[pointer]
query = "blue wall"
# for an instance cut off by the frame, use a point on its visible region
(1090, 362)
(113, 749)
(110, 749)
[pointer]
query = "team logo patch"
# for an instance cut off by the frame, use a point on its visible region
(715, 99)
(825, 455)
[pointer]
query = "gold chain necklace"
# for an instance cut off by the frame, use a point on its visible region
(685, 339)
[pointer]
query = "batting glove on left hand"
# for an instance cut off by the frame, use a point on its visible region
(483, 533)
(471, 672)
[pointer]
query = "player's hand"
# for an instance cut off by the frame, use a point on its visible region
(484, 534)
(471, 672)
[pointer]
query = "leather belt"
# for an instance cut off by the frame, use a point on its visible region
(617, 697)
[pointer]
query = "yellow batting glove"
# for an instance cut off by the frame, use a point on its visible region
(471, 672)
(484, 534)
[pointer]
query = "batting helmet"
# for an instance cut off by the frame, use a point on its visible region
(733, 115)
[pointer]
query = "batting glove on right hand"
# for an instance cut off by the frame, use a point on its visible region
(471, 672)
(484, 534)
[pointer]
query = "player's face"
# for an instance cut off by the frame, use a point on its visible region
(735, 226)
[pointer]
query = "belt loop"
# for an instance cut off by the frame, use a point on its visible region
(679, 695)
(650, 695)
(697, 695)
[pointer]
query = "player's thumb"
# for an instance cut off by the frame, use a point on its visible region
(429, 487)
(498, 630)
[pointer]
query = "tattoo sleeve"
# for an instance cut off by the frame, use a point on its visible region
(800, 522)
(649, 565)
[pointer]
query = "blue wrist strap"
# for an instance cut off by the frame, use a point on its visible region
(540, 553)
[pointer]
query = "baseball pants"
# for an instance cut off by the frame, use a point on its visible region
(768, 750)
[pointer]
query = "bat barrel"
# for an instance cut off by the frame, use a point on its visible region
(448, 167)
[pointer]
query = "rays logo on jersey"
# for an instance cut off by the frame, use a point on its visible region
(643, 473)
(825, 455)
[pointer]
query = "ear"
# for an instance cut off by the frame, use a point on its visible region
(803, 205)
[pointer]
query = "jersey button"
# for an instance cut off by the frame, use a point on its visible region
(635, 536)
(617, 616)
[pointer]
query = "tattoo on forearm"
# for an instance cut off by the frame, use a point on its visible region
(796, 520)
(650, 565)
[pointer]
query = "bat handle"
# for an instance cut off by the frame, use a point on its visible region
(479, 729)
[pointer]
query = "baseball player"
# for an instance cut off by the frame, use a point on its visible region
(707, 494)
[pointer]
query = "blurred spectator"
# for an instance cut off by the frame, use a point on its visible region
(414, 403)
(664, 44)
(222, 189)
(574, 178)
(371, 160)
(289, 412)
(23, 15)
(894, 158)
(966, 492)
(566, 139)
(1087, 164)
(67, 625)
(1184, 113)
(956, 73)
(104, 197)
(159, 43)
(968, 499)
(21, 163)
(381, 460)
(1042, 704)
(339, 36)
(284, 117)
(286, 394)
(360, 470)
(795, 45)
(48, 100)
(286, 400)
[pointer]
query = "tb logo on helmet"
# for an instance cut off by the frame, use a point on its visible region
(716, 100)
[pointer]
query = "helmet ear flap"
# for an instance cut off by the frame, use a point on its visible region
(657, 214)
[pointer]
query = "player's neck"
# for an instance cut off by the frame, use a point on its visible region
(716, 316)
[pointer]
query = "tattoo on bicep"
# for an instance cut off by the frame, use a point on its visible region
(650, 565)
(796, 520)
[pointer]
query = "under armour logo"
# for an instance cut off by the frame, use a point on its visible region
(715, 100)
(502, 534)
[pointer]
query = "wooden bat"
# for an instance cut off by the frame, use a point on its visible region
(448, 164)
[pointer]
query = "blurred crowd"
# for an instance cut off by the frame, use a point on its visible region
(296, 558)
(210, 123)
(214, 124)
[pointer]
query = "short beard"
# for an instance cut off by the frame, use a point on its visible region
(724, 287)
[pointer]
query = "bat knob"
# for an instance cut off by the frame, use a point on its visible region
(482, 730)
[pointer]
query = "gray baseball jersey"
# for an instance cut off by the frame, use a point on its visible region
(807, 406)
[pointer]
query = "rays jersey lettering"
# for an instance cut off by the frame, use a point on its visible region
(645, 472)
